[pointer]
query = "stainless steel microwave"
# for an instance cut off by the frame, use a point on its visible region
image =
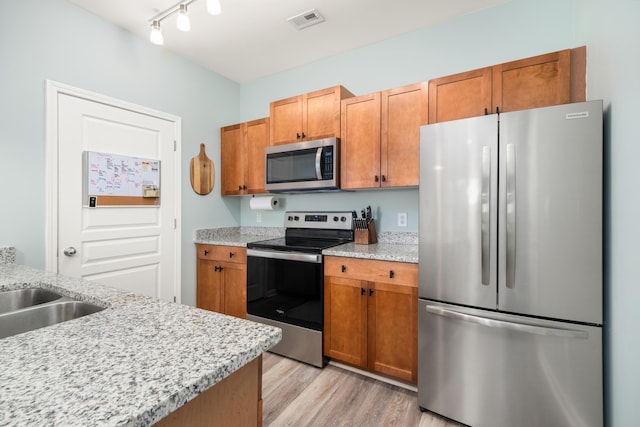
(303, 166)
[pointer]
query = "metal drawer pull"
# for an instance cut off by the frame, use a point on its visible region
(513, 326)
(344, 268)
(206, 252)
(391, 274)
(231, 254)
(362, 291)
(370, 292)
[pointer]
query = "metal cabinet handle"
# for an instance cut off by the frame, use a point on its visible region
(344, 268)
(362, 291)
(511, 215)
(70, 251)
(485, 215)
(217, 268)
(514, 326)
(375, 178)
(384, 178)
(370, 292)
(391, 274)
(231, 254)
(206, 252)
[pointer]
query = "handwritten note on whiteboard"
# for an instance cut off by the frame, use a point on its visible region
(116, 175)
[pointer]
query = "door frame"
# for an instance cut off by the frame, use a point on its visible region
(52, 91)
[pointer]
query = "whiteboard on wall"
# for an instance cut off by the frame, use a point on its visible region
(114, 179)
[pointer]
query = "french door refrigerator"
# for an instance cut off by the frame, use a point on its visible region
(510, 281)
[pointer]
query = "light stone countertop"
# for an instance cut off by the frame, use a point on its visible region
(128, 365)
(391, 246)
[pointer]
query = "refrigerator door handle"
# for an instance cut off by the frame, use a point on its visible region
(518, 327)
(485, 211)
(511, 215)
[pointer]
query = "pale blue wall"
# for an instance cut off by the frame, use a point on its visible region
(611, 31)
(53, 39)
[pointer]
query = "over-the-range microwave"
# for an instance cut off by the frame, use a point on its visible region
(303, 166)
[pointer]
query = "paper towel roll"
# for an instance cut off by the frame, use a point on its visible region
(264, 203)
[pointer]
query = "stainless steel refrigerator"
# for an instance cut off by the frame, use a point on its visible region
(510, 309)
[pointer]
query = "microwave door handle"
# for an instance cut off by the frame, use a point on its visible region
(318, 164)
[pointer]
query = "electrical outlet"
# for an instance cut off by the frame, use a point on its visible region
(258, 216)
(402, 219)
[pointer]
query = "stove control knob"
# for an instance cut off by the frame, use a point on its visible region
(296, 218)
(343, 219)
(290, 218)
(335, 218)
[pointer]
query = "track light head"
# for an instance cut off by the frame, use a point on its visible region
(156, 34)
(183, 23)
(213, 7)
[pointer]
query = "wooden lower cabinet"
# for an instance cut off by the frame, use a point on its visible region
(371, 315)
(222, 279)
(235, 401)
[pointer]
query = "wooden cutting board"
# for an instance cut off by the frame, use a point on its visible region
(202, 173)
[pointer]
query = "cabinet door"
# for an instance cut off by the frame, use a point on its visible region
(321, 113)
(209, 286)
(231, 160)
(404, 110)
(235, 289)
(256, 140)
(533, 82)
(393, 330)
(286, 120)
(360, 143)
(460, 95)
(345, 320)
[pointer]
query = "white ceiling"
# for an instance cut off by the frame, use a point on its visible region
(252, 38)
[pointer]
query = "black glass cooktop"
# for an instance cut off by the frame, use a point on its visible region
(300, 244)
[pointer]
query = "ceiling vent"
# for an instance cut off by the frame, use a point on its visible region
(306, 19)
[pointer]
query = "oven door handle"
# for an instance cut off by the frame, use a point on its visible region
(288, 256)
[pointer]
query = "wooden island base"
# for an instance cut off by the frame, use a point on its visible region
(235, 401)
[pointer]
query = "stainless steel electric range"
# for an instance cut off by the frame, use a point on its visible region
(285, 281)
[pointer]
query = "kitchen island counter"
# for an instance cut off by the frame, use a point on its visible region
(131, 364)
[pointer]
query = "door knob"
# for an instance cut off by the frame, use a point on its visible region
(70, 251)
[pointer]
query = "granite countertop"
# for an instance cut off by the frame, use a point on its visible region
(391, 246)
(128, 365)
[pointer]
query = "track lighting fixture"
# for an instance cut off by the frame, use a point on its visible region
(183, 22)
(156, 33)
(213, 7)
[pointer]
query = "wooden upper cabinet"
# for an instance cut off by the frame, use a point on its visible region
(381, 137)
(231, 159)
(242, 157)
(539, 81)
(360, 142)
(256, 140)
(532, 82)
(460, 96)
(313, 115)
(404, 110)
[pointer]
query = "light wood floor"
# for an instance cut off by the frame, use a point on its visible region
(297, 394)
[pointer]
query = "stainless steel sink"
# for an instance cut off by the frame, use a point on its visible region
(43, 314)
(21, 298)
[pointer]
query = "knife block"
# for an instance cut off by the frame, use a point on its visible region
(366, 236)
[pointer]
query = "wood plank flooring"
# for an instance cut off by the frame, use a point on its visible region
(297, 394)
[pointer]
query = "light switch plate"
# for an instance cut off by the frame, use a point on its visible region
(402, 219)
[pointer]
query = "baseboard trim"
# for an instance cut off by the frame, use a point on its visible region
(374, 376)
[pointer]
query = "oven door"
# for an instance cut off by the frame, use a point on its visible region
(286, 287)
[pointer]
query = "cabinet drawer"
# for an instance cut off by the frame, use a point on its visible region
(222, 253)
(399, 273)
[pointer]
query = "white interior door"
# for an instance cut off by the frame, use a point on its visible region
(129, 247)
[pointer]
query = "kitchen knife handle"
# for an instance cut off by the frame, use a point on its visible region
(511, 215)
(485, 216)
